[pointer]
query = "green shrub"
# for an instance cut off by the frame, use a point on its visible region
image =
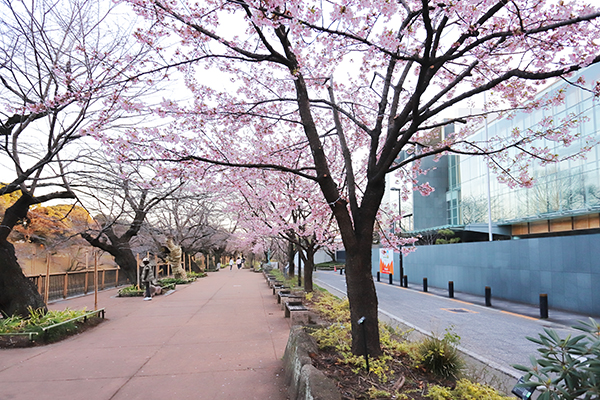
(440, 355)
(329, 266)
(568, 368)
(465, 390)
(177, 281)
(131, 291)
(287, 281)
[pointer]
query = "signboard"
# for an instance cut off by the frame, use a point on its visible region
(522, 392)
(386, 261)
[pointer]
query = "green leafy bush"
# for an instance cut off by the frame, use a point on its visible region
(12, 324)
(568, 368)
(440, 355)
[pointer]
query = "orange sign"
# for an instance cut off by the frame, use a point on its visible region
(386, 261)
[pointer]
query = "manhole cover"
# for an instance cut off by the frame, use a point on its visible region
(459, 310)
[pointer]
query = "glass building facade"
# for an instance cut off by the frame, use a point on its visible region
(565, 195)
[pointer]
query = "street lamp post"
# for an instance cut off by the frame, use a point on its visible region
(400, 232)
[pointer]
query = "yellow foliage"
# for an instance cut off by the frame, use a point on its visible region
(465, 390)
(8, 199)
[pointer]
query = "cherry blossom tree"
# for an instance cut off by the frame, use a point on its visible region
(335, 91)
(280, 205)
(63, 75)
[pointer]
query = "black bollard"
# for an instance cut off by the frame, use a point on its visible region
(391, 279)
(341, 271)
(451, 289)
(543, 306)
(405, 279)
(488, 296)
(425, 284)
(378, 277)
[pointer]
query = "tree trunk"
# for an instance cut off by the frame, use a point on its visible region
(309, 266)
(126, 260)
(300, 267)
(193, 264)
(120, 249)
(362, 297)
(17, 293)
(291, 253)
(218, 257)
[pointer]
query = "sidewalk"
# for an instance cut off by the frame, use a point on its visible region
(221, 337)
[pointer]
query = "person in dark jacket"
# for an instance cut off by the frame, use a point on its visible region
(147, 277)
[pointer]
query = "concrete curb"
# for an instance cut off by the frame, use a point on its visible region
(304, 381)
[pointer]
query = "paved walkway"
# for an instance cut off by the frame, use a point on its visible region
(221, 337)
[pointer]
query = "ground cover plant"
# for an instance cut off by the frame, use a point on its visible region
(291, 282)
(12, 327)
(178, 281)
(428, 369)
(194, 275)
(131, 291)
(165, 283)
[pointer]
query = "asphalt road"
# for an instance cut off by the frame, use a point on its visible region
(491, 335)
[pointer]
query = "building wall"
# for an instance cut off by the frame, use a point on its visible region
(566, 268)
(571, 186)
(430, 210)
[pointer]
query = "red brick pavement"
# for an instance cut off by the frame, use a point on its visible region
(221, 337)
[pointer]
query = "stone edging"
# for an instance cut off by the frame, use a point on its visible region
(304, 381)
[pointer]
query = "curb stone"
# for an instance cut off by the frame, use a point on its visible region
(304, 381)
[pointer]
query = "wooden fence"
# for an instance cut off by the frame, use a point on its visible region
(60, 285)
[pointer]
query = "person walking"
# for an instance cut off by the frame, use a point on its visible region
(239, 262)
(147, 277)
(231, 263)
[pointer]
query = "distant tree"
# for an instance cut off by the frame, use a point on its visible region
(447, 237)
(192, 218)
(281, 206)
(52, 225)
(121, 195)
